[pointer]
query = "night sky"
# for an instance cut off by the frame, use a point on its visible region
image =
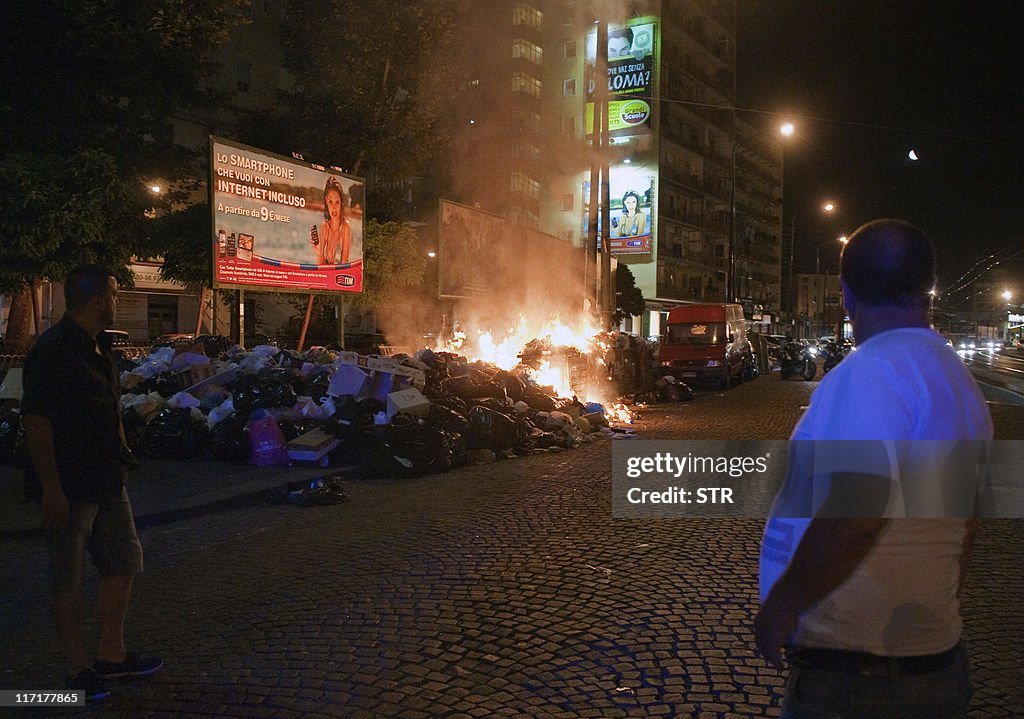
(866, 81)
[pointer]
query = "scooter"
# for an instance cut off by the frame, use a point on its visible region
(834, 353)
(798, 359)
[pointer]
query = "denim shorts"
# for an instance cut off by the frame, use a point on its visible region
(107, 530)
(942, 692)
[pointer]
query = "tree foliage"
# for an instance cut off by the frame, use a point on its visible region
(393, 261)
(369, 92)
(629, 300)
(90, 89)
(53, 220)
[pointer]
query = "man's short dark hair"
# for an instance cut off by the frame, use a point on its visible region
(625, 32)
(85, 283)
(889, 262)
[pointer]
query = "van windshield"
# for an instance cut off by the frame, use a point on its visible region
(695, 333)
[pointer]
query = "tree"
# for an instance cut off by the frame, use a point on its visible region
(370, 91)
(629, 300)
(89, 93)
(393, 261)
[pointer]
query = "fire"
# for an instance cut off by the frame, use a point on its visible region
(618, 412)
(549, 348)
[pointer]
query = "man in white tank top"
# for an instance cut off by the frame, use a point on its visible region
(864, 601)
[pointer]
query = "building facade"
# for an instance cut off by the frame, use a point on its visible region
(695, 187)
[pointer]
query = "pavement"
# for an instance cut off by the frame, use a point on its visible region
(506, 589)
(168, 490)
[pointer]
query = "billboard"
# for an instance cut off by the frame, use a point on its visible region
(631, 208)
(486, 257)
(632, 60)
(283, 224)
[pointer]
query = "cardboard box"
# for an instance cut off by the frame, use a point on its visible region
(312, 440)
(222, 378)
(311, 446)
(382, 364)
(349, 380)
(408, 401)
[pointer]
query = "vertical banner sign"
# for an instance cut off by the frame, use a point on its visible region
(632, 196)
(632, 62)
(283, 224)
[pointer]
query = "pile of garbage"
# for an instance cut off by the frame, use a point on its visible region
(394, 416)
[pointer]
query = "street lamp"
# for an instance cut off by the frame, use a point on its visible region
(817, 252)
(826, 207)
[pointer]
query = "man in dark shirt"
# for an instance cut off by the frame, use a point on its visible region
(72, 423)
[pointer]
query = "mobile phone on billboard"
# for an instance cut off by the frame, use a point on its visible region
(245, 244)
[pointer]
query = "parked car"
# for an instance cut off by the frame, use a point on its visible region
(706, 341)
(172, 339)
(121, 345)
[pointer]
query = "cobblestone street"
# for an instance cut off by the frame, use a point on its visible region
(498, 590)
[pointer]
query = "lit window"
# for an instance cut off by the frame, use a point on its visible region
(525, 14)
(527, 50)
(521, 82)
(527, 185)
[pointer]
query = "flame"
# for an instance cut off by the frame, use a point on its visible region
(554, 337)
(618, 412)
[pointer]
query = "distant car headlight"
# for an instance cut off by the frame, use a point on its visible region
(812, 351)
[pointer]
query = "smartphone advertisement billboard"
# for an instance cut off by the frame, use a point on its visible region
(283, 224)
(632, 60)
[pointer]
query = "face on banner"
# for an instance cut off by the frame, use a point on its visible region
(631, 210)
(631, 66)
(283, 224)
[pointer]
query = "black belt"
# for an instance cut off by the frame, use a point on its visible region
(838, 660)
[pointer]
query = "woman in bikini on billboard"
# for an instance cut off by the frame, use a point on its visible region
(335, 232)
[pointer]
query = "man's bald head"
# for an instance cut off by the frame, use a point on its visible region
(889, 263)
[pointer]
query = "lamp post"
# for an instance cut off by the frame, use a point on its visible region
(827, 207)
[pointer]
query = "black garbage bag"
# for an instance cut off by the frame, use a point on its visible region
(317, 492)
(166, 384)
(513, 385)
(174, 434)
(317, 386)
(453, 403)
(134, 428)
(466, 388)
(288, 375)
(408, 448)
(257, 392)
(447, 419)
(669, 389)
(539, 400)
(229, 440)
(490, 429)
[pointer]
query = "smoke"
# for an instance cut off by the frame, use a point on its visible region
(516, 150)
